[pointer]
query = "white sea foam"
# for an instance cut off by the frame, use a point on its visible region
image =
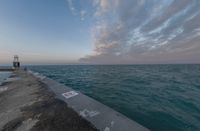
(36, 74)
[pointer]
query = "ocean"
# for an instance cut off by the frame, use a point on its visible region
(159, 97)
(3, 76)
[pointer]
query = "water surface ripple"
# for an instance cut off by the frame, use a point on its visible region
(160, 97)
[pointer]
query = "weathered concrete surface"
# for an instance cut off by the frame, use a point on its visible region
(103, 117)
(15, 95)
(26, 104)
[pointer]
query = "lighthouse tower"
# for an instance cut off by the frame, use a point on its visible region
(16, 63)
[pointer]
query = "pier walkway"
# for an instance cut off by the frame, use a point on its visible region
(101, 116)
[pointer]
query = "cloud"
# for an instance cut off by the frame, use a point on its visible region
(144, 31)
(83, 13)
(71, 7)
(76, 10)
(103, 6)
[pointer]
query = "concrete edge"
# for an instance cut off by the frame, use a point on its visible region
(101, 116)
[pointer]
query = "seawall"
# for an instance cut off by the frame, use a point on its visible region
(101, 116)
(98, 115)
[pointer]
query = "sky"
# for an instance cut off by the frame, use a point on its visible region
(100, 31)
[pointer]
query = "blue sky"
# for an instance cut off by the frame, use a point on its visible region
(100, 31)
(42, 31)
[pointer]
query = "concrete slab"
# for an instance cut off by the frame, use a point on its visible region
(101, 116)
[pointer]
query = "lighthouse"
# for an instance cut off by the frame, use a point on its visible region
(16, 63)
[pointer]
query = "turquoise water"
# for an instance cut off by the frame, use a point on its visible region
(160, 97)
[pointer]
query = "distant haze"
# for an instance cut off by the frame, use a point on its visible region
(100, 31)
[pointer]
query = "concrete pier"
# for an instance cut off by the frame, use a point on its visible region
(27, 104)
(101, 116)
(30, 101)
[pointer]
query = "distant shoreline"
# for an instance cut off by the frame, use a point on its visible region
(6, 69)
(93, 64)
